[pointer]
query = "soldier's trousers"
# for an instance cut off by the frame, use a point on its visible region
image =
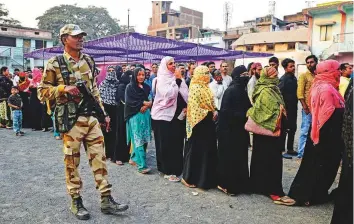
(86, 130)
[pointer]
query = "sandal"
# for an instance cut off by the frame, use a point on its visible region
(174, 178)
(119, 163)
(131, 162)
(225, 191)
(284, 201)
(144, 171)
(187, 185)
(57, 138)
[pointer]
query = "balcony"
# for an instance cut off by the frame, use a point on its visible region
(342, 43)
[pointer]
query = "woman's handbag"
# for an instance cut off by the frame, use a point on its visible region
(251, 126)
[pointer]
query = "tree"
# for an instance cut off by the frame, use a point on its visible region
(4, 19)
(95, 21)
(124, 28)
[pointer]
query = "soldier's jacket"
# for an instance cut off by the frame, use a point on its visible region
(52, 84)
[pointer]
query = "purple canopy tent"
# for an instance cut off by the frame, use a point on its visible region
(132, 47)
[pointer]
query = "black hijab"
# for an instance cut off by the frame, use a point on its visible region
(124, 81)
(240, 76)
(235, 101)
(135, 96)
(119, 72)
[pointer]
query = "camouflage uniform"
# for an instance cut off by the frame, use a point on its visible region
(86, 129)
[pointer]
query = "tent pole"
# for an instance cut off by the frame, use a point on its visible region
(243, 57)
(197, 52)
(128, 38)
(144, 58)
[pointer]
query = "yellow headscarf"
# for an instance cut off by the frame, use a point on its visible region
(200, 100)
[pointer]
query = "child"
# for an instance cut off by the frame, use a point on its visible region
(15, 103)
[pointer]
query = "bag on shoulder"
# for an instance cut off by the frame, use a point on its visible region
(253, 127)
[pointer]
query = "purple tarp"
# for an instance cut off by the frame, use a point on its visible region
(141, 47)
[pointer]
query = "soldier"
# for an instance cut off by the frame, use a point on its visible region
(76, 120)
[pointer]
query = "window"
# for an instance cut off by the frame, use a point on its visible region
(249, 48)
(270, 47)
(36, 33)
(8, 41)
(41, 44)
(26, 45)
(291, 46)
(3, 29)
(326, 33)
(164, 18)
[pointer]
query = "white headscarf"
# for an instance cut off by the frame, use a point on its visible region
(165, 78)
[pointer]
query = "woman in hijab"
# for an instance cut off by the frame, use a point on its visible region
(119, 72)
(200, 155)
(169, 127)
(35, 104)
(343, 206)
(121, 152)
(324, 144)
(233, 139)
(267, 162)
(137, 115)
(23, 87)
(108, 89)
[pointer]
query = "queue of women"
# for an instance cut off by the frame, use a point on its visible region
(205, 148)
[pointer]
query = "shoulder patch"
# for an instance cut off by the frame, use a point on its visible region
(52, 59)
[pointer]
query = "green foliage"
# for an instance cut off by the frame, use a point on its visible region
(4, 19)
(95, 21)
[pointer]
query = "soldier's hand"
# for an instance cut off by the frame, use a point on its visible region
(72, 90)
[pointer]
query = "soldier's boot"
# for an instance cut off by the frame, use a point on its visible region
(78, 209)
(109, 206)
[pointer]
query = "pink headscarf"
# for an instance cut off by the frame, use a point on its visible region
(255, 65)
(37, 76)
(167, 92)
(324, 96)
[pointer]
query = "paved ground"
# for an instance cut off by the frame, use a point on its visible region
(33, 191)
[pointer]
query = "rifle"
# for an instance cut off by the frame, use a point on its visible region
(91, 101)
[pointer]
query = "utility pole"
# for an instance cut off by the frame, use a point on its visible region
(271, 8)
(310, 4)
(227, 14)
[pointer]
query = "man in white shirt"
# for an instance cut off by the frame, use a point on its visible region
(217, 88)
(16, 77)
(226, 79)
(256, 69)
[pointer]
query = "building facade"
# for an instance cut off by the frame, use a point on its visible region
(330, 33)
(283, 44)
(168, 23)
(267, 23)
(15, 41)
(209, 37)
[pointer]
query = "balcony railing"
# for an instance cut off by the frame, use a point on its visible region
(5, 51)
(14, 52)
(341, 43)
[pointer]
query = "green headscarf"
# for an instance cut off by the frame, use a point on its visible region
(267, 99)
